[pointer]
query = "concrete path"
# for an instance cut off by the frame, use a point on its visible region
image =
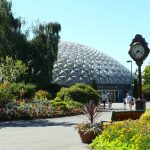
(47, 134)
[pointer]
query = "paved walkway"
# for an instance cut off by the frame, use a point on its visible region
(47, 134)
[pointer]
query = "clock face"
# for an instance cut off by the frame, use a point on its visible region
(137, 51)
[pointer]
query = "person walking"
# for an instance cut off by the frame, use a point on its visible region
(109, 100)
(125, 102)
(130, 101)
(104, 98)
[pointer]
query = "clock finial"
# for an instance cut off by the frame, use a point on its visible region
(140, 39)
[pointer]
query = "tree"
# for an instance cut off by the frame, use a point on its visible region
(12, 41)
(146, 82)
(39, 54)
(44, 53)
(94, 85)
(146, 75)
(11, 69)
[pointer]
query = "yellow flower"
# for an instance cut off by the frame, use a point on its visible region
(137, 148)
(121, 138)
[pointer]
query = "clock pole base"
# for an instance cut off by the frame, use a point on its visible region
(140, 104)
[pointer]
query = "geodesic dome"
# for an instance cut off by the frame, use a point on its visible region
(78, 63)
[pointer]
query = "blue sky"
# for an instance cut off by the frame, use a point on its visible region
(106, 25)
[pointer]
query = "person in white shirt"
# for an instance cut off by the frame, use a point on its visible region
(104, 98)
(130, 101)
(109, 100)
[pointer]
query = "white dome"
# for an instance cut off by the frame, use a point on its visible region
(78, 63)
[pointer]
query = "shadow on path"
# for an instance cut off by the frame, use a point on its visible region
(53, 122)
(34, 123)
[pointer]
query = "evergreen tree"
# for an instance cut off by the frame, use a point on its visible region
(12, 41)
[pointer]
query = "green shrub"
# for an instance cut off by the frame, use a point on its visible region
(73, 104)
(21, 88)
(59, 105)
(124, 135)
(63, 94)
(15, 110)
(79, 92)
(12, 69)
(66, 105)
(70, 103)
(146, 91)
(146, 116)
(42, 95)
(5, 95)
(13, 91)
(39, 109)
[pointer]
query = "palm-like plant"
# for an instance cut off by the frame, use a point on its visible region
(92, 113)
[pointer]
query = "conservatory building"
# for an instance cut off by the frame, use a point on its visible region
(78, 63)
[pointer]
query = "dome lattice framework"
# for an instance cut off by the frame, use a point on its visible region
(78, 63)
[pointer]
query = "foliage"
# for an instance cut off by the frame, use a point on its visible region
(146, 75)
(84, 93)
(124, 135)
(73, 104)
(79, 92)
(68, 103)
(43, 46)
(44, 49)
(11, 69)
(146, 83)
(12, 91)
(91, 112)
(66, 106)
(60, 105)
(146, 91)
(20, 109)
(42, 95)
(94, 85)
(54, 89)
(87, 127)
(5, 95)
(13, 41)
(146, 116)
(63, 94)
(22, 90)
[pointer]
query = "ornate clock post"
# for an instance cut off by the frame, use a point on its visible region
(138, 52)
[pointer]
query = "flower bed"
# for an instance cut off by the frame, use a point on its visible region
(23, 110)
(125, 135)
